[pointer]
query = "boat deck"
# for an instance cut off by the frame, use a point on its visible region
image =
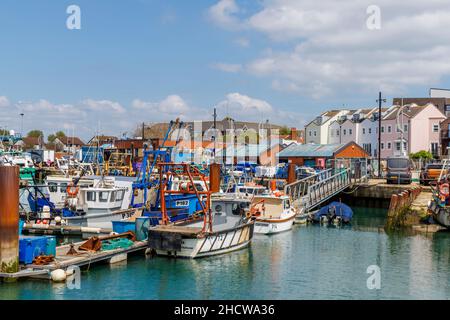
(185, 230)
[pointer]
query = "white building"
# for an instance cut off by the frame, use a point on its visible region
(317, 131)
(360, 126)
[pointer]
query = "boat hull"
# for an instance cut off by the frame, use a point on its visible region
(440, 215)
(99, 219)
(204, 246)
(269, 226)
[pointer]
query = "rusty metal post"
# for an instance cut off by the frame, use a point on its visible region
(214, 177)
(291, 173)
(9, 219)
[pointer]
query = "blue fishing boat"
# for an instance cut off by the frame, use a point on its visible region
(333, 213)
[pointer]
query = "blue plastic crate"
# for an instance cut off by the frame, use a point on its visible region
(142, 225)
(31, 247)
(124, 226)
(51, 246)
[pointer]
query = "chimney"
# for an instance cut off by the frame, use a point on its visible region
(294, 134)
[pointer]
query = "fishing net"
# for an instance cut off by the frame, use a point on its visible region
(116, 244)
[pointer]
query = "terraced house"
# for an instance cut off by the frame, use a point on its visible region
(421, 126)
(360, 126)
(317, 130)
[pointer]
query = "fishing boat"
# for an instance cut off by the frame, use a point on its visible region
(336, 213)
(273, 212)
(223, 225)
(94, 206)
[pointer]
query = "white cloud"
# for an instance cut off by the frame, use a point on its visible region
(328, 49)
(104, 105)
(227, 67)
(171, 105)
(4, 102)
(224, 13)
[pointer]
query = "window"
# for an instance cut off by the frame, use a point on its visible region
(345, 132)
(389, 145)
(382, 129)
(103, 196)
(286, 204)
(364, 130)
(349, 131)
(113, 196)
(120, 195)
(435, 128)
(63, 187)
(315, 133)
(90, 196)
(52, 187)
(389, 130)
(337, 133)
(405, 128)
(398, 146)
(382, 146)
(370, 130)
(434, 149)
(310, 133)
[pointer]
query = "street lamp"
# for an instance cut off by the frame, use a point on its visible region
(21, 123)
(400, 127)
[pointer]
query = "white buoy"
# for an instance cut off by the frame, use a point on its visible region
(45, 213)
(58, 220)
(58, 275)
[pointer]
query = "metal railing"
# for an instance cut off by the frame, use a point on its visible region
(312, 191)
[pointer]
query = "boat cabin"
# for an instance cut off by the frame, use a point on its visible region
(269, 206)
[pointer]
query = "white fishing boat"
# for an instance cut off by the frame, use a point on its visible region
(57, 188)
(273, 213)
(95, 206)
(223, 226)
(232, 230)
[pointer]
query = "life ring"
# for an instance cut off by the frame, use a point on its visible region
(444, 189)
(72, 190)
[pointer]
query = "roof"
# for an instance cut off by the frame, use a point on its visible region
(409, 112)
(126, 144)
(311, 150)
(31, 141)
(71, 140)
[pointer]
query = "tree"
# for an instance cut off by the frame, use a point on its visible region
(51, 138)
(284, 130)
(35, 134)
(60, 134)
(422, 154)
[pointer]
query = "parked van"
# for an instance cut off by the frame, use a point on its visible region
(399, 170)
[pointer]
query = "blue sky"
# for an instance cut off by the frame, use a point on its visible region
(134, 60)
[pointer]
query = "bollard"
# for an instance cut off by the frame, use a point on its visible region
(9, 219)
(214, 177)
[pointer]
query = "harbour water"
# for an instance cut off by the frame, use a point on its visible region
(307, 263)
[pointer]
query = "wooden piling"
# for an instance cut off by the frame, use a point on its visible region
(214, 177)
(9, 219)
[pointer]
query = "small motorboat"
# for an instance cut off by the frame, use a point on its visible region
(334, 213)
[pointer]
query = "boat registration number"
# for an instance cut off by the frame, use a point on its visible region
(182, 203)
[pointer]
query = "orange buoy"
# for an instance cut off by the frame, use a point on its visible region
(72, 190)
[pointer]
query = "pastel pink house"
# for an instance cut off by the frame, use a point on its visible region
(421, 130)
